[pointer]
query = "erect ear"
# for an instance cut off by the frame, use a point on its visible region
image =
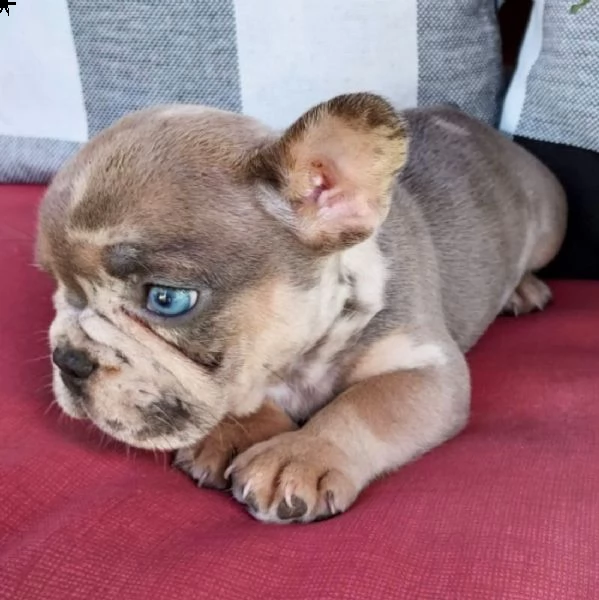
(333, 170)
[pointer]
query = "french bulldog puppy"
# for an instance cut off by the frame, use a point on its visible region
(289, 312)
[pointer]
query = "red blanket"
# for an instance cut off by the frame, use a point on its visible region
(508, 510)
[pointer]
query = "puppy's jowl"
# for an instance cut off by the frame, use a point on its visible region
(219, 284)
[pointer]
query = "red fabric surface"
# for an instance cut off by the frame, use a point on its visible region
(509, 509)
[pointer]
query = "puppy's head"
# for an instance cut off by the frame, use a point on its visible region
(194, 255)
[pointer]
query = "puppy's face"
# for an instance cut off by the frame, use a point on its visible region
(192, 251)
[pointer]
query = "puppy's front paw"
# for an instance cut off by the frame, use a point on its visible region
(207, 461)
(293, 477)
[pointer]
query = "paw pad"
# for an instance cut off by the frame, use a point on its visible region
(296, 509)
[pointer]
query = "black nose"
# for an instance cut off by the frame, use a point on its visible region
(75, 363)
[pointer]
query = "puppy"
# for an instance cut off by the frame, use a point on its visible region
(289, 312)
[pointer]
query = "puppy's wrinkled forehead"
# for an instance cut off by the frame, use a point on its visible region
(162, 185)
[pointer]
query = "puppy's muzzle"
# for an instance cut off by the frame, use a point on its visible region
(106, 370)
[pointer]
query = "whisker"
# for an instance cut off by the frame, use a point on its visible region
(45, 386)
(52, 405)
(37, 359)
(43, 332)
(102, 440)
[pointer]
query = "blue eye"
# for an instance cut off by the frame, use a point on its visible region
(170, 302)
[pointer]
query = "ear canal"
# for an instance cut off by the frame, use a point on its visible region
(334, 169)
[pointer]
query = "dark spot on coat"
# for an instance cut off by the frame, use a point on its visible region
(351, 305)
(350, 308)
(122, 357)
(165, 416)
(123, 260)
(214, 361)
(115, 424)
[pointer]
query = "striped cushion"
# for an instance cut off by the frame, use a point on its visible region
(78, 65)
(554, 94)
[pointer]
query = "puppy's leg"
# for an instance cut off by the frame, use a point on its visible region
(207, 461)
(531, 295)
(376, 425)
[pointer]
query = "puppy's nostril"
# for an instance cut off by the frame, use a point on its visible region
(75, 363)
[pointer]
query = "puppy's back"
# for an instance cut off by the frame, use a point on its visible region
(486, 201)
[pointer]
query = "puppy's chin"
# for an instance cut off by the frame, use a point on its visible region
(165, 442)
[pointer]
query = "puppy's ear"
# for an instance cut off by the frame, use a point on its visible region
(333, 170)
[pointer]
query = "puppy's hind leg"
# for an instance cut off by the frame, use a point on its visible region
(531, 295)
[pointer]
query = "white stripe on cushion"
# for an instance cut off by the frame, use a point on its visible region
(293, 55)
(40, 88)
(529, 53)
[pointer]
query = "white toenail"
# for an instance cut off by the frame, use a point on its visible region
(331, 503)
(288, 495)
(246, 490)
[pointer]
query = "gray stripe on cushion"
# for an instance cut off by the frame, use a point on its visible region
(562, 91)
(459, 56)
(32, 160)
(156, 51)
